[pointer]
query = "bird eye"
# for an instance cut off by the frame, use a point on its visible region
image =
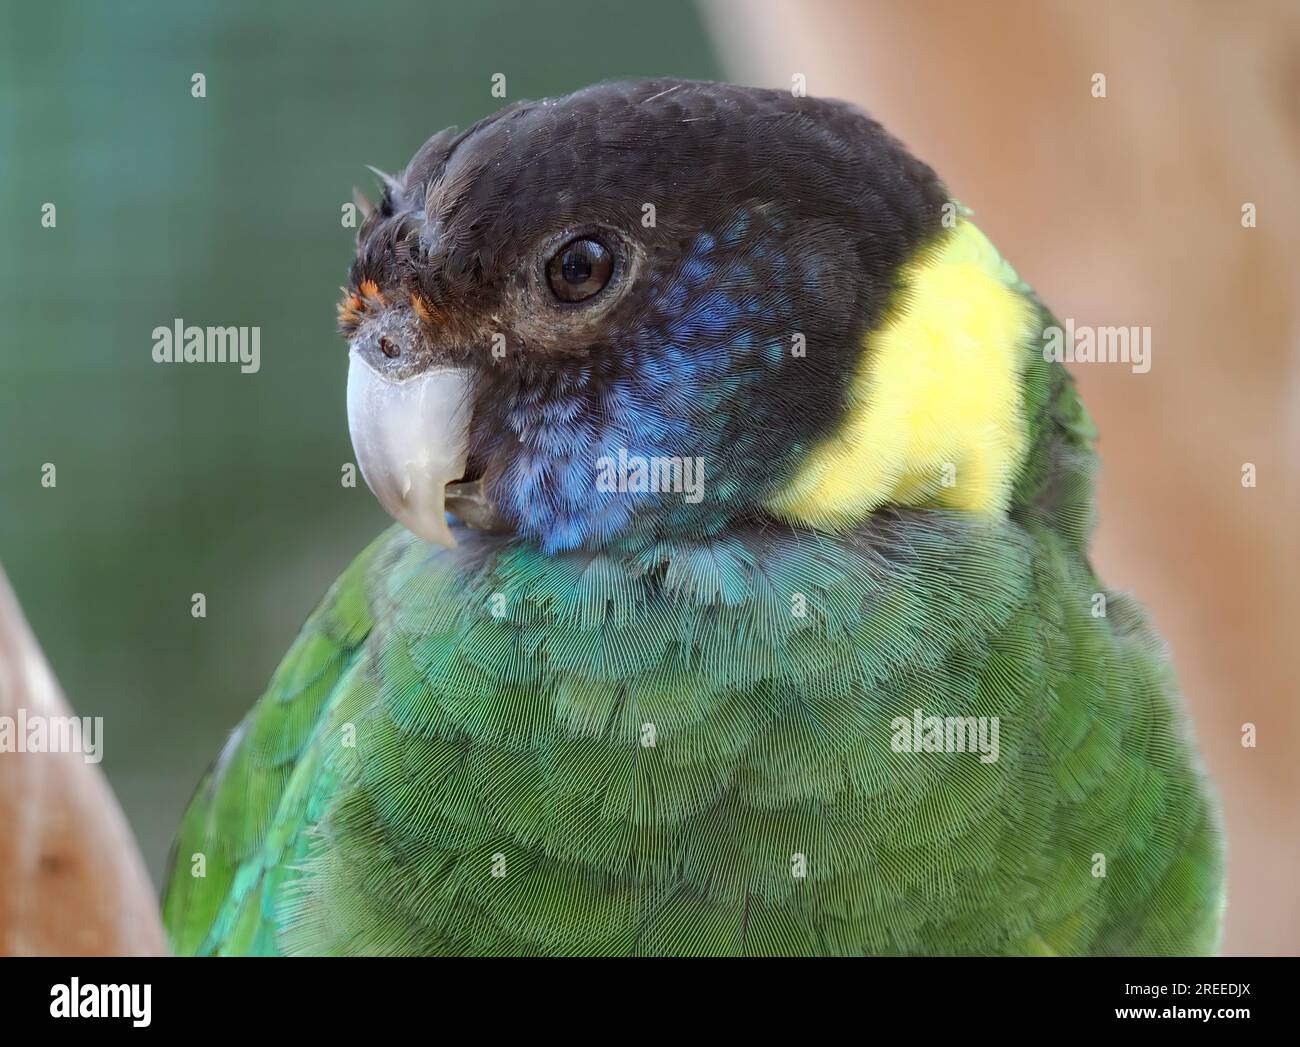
(579, 269)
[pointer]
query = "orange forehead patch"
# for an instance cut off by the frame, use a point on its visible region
(350, 308)
(370, 289)
(426, 312)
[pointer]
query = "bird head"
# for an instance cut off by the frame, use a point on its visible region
(625, 315)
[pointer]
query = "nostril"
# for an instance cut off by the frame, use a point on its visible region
(389, 348)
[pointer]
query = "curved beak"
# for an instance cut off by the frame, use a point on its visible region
(411, 438)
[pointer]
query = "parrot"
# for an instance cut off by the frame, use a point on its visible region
(738, 600)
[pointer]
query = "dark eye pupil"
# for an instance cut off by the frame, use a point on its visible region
(579, 269)
(577, 265)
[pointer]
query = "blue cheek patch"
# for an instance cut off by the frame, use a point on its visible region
(712, 337)
(674, 300)
(713, 314)
(734, 231)
(697, 270)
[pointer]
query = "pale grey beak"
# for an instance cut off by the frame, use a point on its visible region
(411, 439)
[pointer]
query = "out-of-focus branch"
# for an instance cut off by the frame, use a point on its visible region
(72, 881)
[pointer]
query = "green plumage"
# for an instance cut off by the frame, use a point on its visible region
(453, 756)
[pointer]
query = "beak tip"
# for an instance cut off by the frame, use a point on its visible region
(447, 542)
(433, 530)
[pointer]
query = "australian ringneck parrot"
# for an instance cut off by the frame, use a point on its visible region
(740, 510)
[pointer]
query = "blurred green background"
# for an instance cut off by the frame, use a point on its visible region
(225, 210)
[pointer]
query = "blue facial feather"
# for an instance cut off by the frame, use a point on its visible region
(706, 337)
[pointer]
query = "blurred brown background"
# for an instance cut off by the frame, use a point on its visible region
(1126, 210)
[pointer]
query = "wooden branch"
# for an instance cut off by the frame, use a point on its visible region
(72, 881)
